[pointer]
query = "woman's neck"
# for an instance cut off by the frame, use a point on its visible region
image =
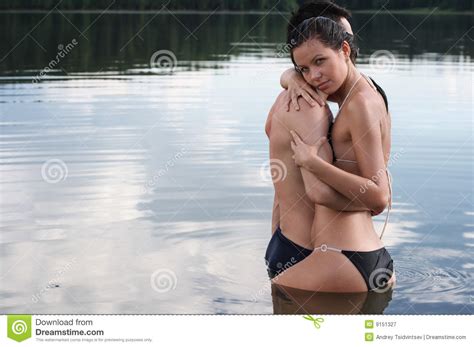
(347, 86)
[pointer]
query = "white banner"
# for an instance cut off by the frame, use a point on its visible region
(228, 330)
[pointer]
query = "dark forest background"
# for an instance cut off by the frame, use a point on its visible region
(230, 5)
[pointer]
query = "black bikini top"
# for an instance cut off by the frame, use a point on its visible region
(382, 92)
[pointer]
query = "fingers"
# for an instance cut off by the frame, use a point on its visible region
(321, 94)
(287, 102)
(294, 102)
(308, 98)
(293, 146)
(320, 100)
(315, 96)
(312, 92)
(296, 137)
(311, 97)
(321, 142)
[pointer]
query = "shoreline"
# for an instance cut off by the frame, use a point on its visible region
(227, 12)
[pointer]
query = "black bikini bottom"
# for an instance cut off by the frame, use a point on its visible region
(282, 253)
(375, 267)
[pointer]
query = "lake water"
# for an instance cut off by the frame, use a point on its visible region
(131, 187)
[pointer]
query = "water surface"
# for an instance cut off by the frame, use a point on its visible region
(127, 188)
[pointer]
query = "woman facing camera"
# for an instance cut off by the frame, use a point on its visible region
(348, 255)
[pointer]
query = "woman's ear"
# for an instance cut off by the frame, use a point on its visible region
(346, 49)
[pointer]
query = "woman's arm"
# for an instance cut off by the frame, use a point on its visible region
(297, 87)
(313, 122)
(372, 188)
(287, 76)
(322, 194)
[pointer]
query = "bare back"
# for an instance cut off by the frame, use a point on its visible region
(296, 209)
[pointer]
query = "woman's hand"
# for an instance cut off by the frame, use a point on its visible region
(297, 86)
(304, 153)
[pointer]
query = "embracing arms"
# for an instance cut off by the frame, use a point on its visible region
(371, 189)
(297, 87)
(313, 124)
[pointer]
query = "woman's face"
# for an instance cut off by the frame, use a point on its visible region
(321, 66)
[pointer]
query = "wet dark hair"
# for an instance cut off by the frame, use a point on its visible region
(315, 9)
(325, 30)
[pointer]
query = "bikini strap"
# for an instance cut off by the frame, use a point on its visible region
(324, 248)
(346, 161)
(369, 80)
(348, 94)
(377, 89)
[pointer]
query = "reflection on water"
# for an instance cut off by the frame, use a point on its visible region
(296, 301)
(128, 190)
(111, 44)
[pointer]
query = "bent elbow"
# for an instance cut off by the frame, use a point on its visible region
(376, 210)
(311, 194)
(380, 204)
(318, 196)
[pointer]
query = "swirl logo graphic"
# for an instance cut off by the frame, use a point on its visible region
(382, 61)
(379, 278)
(163, 60)
(54, 171)
(163, 280)
(273, 170)
(19, 327)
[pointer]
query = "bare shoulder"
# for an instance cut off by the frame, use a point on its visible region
(304, 120)
(363, 109)
(277, 105)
